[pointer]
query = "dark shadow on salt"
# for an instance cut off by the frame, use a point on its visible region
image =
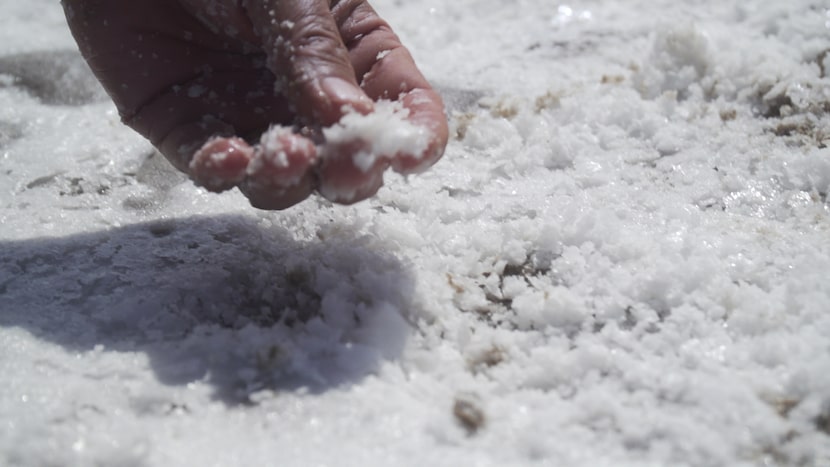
(224, 300)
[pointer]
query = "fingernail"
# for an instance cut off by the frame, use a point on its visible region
(346, 93)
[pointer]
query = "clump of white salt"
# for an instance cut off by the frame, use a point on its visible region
(271, 144)
(385, 133)
(680, 58)
(281, 159)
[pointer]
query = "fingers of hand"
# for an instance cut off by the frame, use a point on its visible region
(274, 174)
(307, 54)
(387, 71)
(318, 55)
(279, 174)
(426, 109)
(343, 176)
(221, 163)
(360, 148)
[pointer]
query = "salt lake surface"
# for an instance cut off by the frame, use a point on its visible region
(622, 259)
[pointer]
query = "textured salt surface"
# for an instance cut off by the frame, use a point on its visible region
(621, 260)
(385, 132)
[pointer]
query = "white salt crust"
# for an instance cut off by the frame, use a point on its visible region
(621, 260)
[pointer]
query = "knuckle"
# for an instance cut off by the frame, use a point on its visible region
(312, 32)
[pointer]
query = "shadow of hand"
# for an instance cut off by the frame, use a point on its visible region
(222, 300)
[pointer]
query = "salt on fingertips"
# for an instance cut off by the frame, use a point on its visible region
(386, 132)
(271, 145)
(281, 158)
(214, 167)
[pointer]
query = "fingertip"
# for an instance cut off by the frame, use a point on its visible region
(221, 163)
(282, 157)
(276, 199)
(347, 194)
(408, 164)
(426, 109)
(342, 180)
(279, 174)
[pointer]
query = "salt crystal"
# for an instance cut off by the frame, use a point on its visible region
(386, 132)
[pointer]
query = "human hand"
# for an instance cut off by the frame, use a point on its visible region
(203, 79)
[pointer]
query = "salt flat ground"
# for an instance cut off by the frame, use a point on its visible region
(623, 259)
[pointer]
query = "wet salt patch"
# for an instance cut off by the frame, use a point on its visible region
(386, 133)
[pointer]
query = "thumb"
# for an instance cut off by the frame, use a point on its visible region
(305, 51)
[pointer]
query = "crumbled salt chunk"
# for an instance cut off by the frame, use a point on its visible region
(386, 132)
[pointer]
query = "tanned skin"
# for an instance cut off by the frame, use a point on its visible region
(204, 78)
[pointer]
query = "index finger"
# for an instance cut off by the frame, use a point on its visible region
(386, 70)
(306, 53)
